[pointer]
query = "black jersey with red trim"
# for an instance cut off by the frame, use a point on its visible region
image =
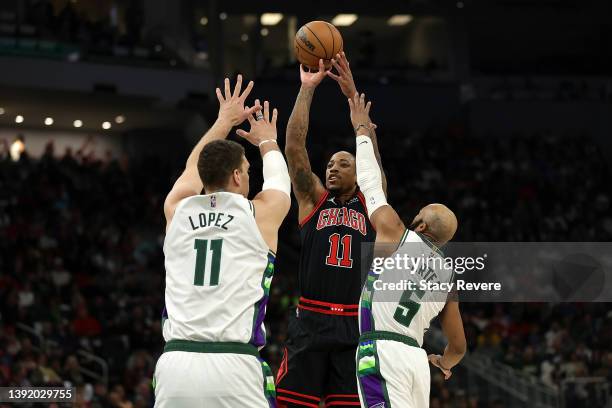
(331, 257)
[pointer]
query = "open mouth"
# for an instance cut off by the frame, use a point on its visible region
(332, 179)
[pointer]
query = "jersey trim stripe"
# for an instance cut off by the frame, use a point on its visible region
(211, 347)
(363, 202)
(366, 318)
(372, 383)
(430, 244)
(330, 312)
(252, 207)
(297, 394)
(342, 400)
(315, 209)
(281, 398)
(385, 335)
(404, 237)
(282, 369)
(328, 304)
(258, 336)
(268, 384)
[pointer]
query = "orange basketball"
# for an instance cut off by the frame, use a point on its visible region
(317, 40)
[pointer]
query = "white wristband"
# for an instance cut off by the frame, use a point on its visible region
(266, 141)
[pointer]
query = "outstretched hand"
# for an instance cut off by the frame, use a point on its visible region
(312, 79)
(360, 112)
(231, 105)
(344, 78)
(434, 359)
(263, 127)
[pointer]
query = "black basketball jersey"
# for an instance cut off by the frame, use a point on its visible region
(331, 259)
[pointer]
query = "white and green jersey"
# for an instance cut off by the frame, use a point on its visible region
(407, 311)
(218, 271)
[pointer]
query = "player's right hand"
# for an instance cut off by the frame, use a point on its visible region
(312, 79)
(231, 105)
(434, 359)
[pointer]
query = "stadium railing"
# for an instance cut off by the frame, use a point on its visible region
(493, 380)
(587, 391)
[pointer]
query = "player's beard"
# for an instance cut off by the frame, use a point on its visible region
(339, 190)
(335, 190)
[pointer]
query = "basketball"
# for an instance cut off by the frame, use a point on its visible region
(317, 40)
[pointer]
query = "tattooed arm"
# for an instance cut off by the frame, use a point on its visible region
(307, 186)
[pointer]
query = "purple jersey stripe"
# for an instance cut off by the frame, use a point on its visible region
(366, 319)
(259, 337)
(372, 390)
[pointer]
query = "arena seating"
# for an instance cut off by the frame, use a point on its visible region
(80, 245)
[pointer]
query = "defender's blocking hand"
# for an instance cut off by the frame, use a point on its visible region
(360, 112)
(262, 126)
(231, 105)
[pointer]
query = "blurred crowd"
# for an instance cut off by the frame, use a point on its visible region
(99, 27)
(84, 30)
(81, 265)
(81, 262)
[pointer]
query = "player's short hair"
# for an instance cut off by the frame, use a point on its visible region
(217, 161)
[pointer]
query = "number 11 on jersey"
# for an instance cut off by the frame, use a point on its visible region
(335, 258)
(201, 247)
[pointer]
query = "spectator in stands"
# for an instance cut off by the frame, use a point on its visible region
(85, 270)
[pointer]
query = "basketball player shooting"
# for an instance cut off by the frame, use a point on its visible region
(318, 361)
(219, 257)
(392, 367)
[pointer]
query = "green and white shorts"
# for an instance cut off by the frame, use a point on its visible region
(392, 373)
(202, 375)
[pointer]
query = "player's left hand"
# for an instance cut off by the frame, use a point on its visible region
(344, 78)
(360, 111)
(434, 359)
(262, 127)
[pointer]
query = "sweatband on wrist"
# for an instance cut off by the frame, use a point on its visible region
(266, 141)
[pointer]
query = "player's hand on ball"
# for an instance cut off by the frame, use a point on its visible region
(434, 359)
(344, 78)
(312, 79)
(262, 126)
(231, 105)
(360, 111)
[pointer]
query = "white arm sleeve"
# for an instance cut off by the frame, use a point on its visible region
(275, 172)
(369, 176)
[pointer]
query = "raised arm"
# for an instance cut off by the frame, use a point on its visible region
(307, 187)
(231, 113)
(344, 78)
(374, 140)
(273, 202)
(389, 226)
